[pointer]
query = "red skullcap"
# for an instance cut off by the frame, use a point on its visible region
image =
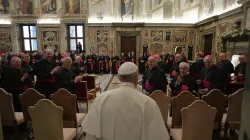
(201, 54)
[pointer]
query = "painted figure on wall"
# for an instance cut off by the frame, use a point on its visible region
(229, 3)
(128, 7)
(4, 6)
(72, 6)
(48, 6)
(208, 7)
(25, 6)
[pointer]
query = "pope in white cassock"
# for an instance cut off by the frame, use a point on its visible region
(125, 113)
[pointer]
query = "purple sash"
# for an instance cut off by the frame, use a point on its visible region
(149, 86)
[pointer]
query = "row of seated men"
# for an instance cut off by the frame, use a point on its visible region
(18, 76)
(203, 76)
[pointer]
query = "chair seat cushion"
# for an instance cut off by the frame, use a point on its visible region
(169, 123)
(69, 133)
(91, 96)
(80, 117)
(19, 117)
(176, 133)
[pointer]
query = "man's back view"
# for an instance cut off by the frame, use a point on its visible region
(125, 113)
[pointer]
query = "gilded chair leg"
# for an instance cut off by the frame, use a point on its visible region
(87, 109)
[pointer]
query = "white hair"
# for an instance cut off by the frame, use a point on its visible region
(77, 57)
(184, 64)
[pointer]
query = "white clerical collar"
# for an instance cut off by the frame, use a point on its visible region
(127, 84)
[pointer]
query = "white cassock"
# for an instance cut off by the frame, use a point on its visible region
(124, 114)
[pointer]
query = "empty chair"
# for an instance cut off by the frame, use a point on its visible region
(67, 101)
(1, 131)
(29, 98)
(231, 120)
(162, 101)
(47, 122)
(183, 99)
(8, 115)
(82, 94)
(215, 98)
(198, 122)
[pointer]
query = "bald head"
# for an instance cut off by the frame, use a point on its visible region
(67, 62)
(242, 59)
(209, 62)
(178, 57)
(48, 54)
(222, 57)
(152, 62)
(15, 62)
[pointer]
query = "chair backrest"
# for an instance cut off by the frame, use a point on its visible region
(234, 106)
(198, 121)
(67, 101)
(90, 81)
(215, 98)
(6, 108)
(46, 120)
(162, 101)
(183, 99)
(29, 98)
(81, 90)
(1, 130)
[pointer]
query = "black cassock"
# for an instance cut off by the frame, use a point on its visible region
(155, 77)
(142, 63)
(45, 81)
(106, 68)
(162, 65)
(77, 69)
(122, 60)
(227, 68)
(197, 67)
(115, 64)
(90, 64)
(98, 64)
(213, 76)
(64, 78)
(187, 80)
(11, 83)
(241, 69)
(145, 49)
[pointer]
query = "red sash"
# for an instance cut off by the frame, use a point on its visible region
(116, 67)
(206, 84)
(149, 86)
(123, 60)
(57, 60)
(91, 64)
(100, 62)
(24, 87)
(241, 78)
(174, 73)
(107, 65)
(51, 80)
(183, 88)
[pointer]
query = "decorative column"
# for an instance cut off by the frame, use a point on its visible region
(63, 35)
(245, 111)
(15, 37)
(177, 10)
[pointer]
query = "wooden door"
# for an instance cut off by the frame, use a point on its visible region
(128, 44)
(208, 44)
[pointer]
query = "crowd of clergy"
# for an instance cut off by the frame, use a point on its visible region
(54, 71)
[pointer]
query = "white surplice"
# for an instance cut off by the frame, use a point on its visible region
(124, 114)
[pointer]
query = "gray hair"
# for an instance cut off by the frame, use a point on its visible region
(184, 64)
(77, 57)
(66, 58)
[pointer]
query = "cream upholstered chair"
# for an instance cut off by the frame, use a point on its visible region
(47, 122)
(67, 101)
(183, 99)
(162, 101)
(215, 98)
(1, 131)
(198, 122)
(8, 115)
(231, 120)
(29, 98)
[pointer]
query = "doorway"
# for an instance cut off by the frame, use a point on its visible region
(128, 44)
(208, 43)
